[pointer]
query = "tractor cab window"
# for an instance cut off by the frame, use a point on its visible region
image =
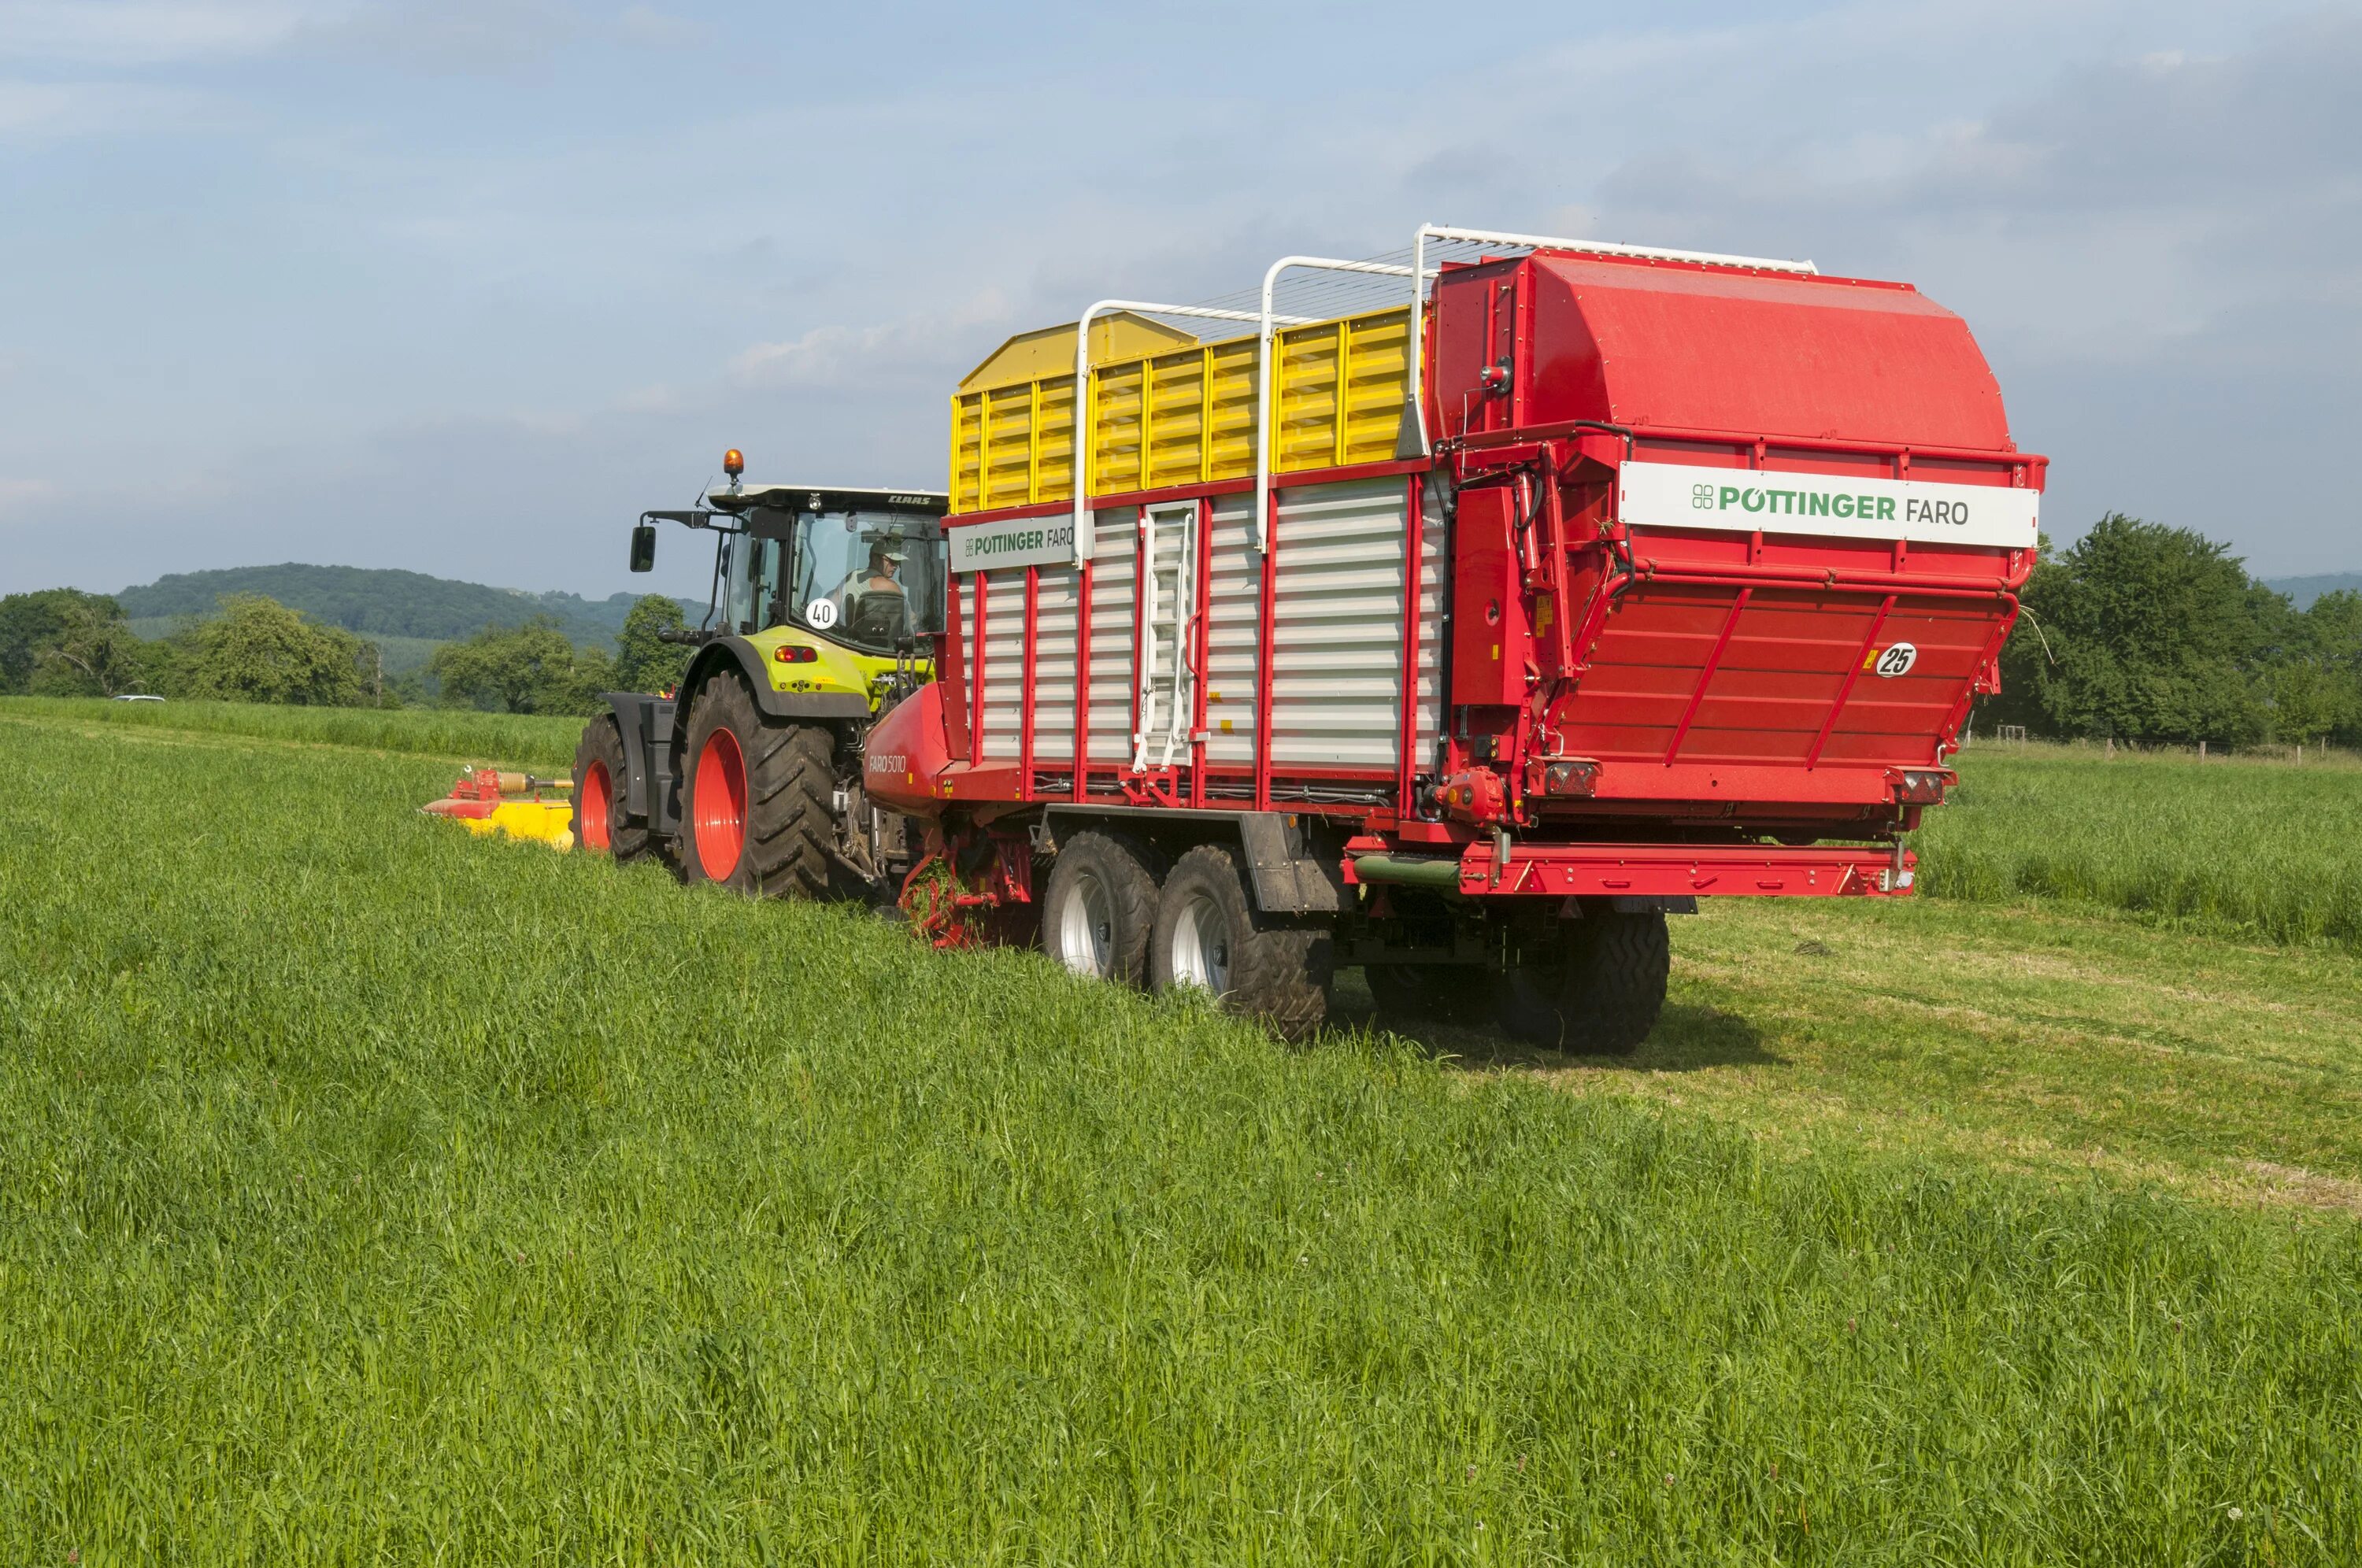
(757, 576)
(871, 580)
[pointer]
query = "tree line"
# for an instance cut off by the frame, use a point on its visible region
(2157, 635)
(2137, 631)
(61, 642)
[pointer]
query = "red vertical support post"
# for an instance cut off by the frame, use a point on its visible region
(1267, 652)
(1029, 661)
(1082, 676)
(1201, 639)
(1141, 634)
(1414, 563)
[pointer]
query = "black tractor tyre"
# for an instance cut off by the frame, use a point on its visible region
(1207, 934)
(1595, 990)
(788, 814)
(1422, 993)
(1099, 911)
(600, 773)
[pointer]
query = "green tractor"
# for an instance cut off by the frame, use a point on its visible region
(748, 774)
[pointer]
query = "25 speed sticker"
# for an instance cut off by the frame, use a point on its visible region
(1895, 660)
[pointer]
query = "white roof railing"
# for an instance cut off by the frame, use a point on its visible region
(1266, 390)
(1417, 441)
(1083, 443)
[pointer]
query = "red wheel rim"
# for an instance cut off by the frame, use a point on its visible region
(718, 806)
(597, 804)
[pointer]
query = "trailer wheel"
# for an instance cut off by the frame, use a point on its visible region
(1208, 935)
(1594, 989)
(756, 794)
(1445, 993)
(1100, 909)
(601, 826)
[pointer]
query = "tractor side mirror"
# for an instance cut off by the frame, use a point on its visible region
(644, 547)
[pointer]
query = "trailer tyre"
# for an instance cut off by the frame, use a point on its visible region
(1100, 909)
(601, 823)
(758, 797)
(1595, 990)
(1209, 935)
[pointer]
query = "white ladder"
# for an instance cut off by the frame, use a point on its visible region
(1168, 584)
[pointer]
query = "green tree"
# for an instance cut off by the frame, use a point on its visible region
(2330, 645)
(2143, 632)
(257, 650)
(61, 642)
(532, 668)
(644, 663)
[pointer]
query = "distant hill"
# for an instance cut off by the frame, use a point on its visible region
(2305, 589)
(380, 603)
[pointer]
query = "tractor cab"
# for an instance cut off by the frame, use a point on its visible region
(862, 569)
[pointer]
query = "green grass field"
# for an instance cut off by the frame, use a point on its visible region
(370, 1193)
(2249, 847)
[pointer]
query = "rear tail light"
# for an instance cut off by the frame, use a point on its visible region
(1572, 779)
(789, 653)
(1921, 786)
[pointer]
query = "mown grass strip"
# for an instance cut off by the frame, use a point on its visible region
(376, 1192)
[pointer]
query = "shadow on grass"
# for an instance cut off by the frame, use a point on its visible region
(1688, 1039)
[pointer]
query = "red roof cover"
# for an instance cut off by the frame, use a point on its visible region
(1675, 346)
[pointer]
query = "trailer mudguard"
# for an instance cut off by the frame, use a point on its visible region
(1290, 875)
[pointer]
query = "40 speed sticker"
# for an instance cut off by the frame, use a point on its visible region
(1893, 661)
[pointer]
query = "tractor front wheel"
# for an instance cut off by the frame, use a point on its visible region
(757, 797)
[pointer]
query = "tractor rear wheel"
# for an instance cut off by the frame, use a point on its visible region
(1099, 908)
(600, 825)
(758, 797)
(1208, 935)
(1593, 987)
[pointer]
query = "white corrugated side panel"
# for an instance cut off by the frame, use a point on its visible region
(1337, 662)
(1115, 547)
(1004, 658)
(1234, 605)
(1053, 682)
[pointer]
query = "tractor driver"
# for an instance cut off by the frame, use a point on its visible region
(883, 575)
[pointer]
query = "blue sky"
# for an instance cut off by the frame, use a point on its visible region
(462, 287)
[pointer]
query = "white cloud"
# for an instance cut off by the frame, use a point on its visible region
(149, 32)
(466, 37)
(843, 356)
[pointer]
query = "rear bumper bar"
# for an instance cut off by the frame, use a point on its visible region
(1672, 870)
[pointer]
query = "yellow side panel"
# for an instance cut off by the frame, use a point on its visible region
(1304, 435)
(1009, 447)
(1054, 445)
(1115, 428)
(1375, 372)
(1187, 416)
(1231, 369)
(1177, 419)
(967, 452)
